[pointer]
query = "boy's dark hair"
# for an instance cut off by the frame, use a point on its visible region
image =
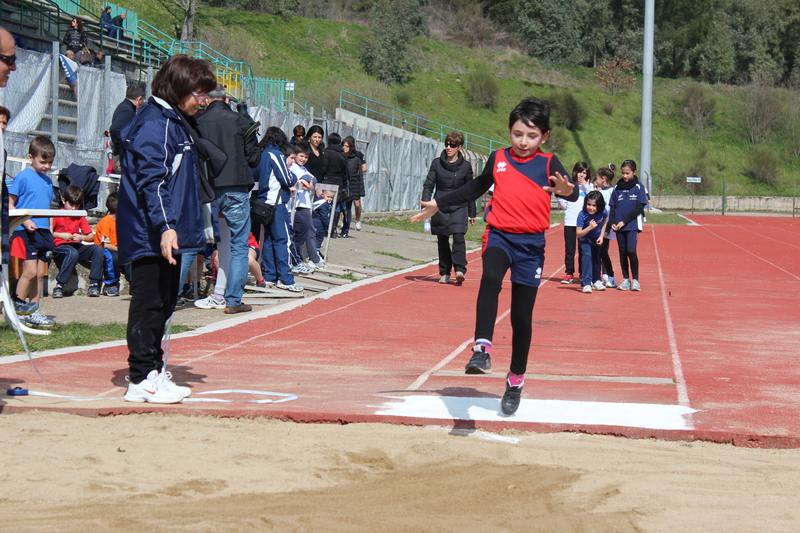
(134, 91)
(303, 148)
(73, 194)
(579, 167)
(273, 135)
(42, 146)
(532, 112)
(111, 203)
(5, 112)
(630, 163)
(334, 138)
(288, 149)
(599, 201)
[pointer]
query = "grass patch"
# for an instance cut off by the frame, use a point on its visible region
(398, 256)
(66, 335)
(474, 233)
(669, 219)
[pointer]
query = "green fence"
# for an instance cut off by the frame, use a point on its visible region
(422, 126)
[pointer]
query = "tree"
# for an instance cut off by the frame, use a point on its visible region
(552, 29)
(614, 74)
(394, 24)
(189, 8)
(697, 110)
(758, 113)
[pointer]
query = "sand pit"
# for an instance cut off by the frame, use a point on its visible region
(155, 472)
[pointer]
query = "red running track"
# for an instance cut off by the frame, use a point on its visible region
(706, 351)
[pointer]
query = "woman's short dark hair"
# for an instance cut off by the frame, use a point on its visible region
(532, 112)
(273, 135)
(180, 76)
(455, 137)
(299, 130)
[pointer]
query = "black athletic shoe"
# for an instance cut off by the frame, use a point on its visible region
(510, 402)
(481, 362)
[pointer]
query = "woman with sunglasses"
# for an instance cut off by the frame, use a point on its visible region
(159, 215)
(448, 172)
(75, 38)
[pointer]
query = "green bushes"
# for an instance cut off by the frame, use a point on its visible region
(483, 89)
(570, 111)
(763, 165)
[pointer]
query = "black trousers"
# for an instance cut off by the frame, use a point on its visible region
(570, 240)
(154, 291)
(523, 297)
(605, 259)
(455, 258)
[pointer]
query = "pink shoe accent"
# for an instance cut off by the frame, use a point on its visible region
(515, 380)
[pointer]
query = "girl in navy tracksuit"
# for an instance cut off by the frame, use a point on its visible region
(592, 223)
(626, 208)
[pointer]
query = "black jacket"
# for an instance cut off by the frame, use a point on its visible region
(123, 114)
(227, 129)
(445, 177)
(335, 166)
(74, 40)
(355, 177)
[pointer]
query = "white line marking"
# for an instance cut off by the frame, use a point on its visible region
(751, 253)
(677, 366)
(650, 416)
(425, 375)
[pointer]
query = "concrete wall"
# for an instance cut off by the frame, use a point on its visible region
(768, 204)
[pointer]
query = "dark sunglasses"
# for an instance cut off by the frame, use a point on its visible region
(452, 145)
(9, 60)
(300, 135)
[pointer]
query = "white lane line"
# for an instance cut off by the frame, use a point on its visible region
(452, 355)
(641, 415)
(751, 253)
(677, 366)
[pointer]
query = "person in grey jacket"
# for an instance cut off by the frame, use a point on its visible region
(448, 172)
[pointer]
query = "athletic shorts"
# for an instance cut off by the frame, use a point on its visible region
(28, 245)
(525, 251)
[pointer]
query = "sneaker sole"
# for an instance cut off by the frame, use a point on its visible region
(140, 399)
(475, 369)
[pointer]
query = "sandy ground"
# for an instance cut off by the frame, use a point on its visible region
(69, 473)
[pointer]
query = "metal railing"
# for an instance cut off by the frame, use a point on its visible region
(408, 121)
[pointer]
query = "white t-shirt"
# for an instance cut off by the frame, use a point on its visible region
(304, 197)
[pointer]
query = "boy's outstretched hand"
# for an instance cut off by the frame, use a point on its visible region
(561, 185)
(429, 209)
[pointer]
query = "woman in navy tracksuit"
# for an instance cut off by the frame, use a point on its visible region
(626, 208)
(274, 183)
(159, 217)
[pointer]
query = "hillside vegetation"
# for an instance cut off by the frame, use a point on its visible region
(323, 58)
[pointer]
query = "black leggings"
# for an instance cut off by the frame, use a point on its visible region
(605, 259)
(628, 255)
(523, 297)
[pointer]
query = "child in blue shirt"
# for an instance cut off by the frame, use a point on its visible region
(627, 206)
(592, 220)
(32, 241)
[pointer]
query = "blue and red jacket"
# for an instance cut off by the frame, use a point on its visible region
(518, 204)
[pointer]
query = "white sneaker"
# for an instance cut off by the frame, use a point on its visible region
(320, 266)
(38, 320)
(358, 225)
(152, 390)
(302, 268)
(587, 289)
(165, 380)
(635, 285)
(605, 279)
(294, 287)
(599, 286)
(611, 282)
(210, 302)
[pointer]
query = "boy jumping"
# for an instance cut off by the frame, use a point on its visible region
(516, 219)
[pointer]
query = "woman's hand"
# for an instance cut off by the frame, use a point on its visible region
(169, 242)
(429, 209)
(472, 221)
(561, 185)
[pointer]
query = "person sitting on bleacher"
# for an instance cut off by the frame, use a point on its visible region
(106, 236)
(106, 22)
(69, 234)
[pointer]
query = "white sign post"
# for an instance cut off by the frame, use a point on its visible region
(693, 180)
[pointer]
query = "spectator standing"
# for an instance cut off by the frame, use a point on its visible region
(123, 114)
(336, 174)
(233, 134)
(448, 172)
(298, 135)
(75, 38)
(159, 209)
(316, 160)
(355, 182)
